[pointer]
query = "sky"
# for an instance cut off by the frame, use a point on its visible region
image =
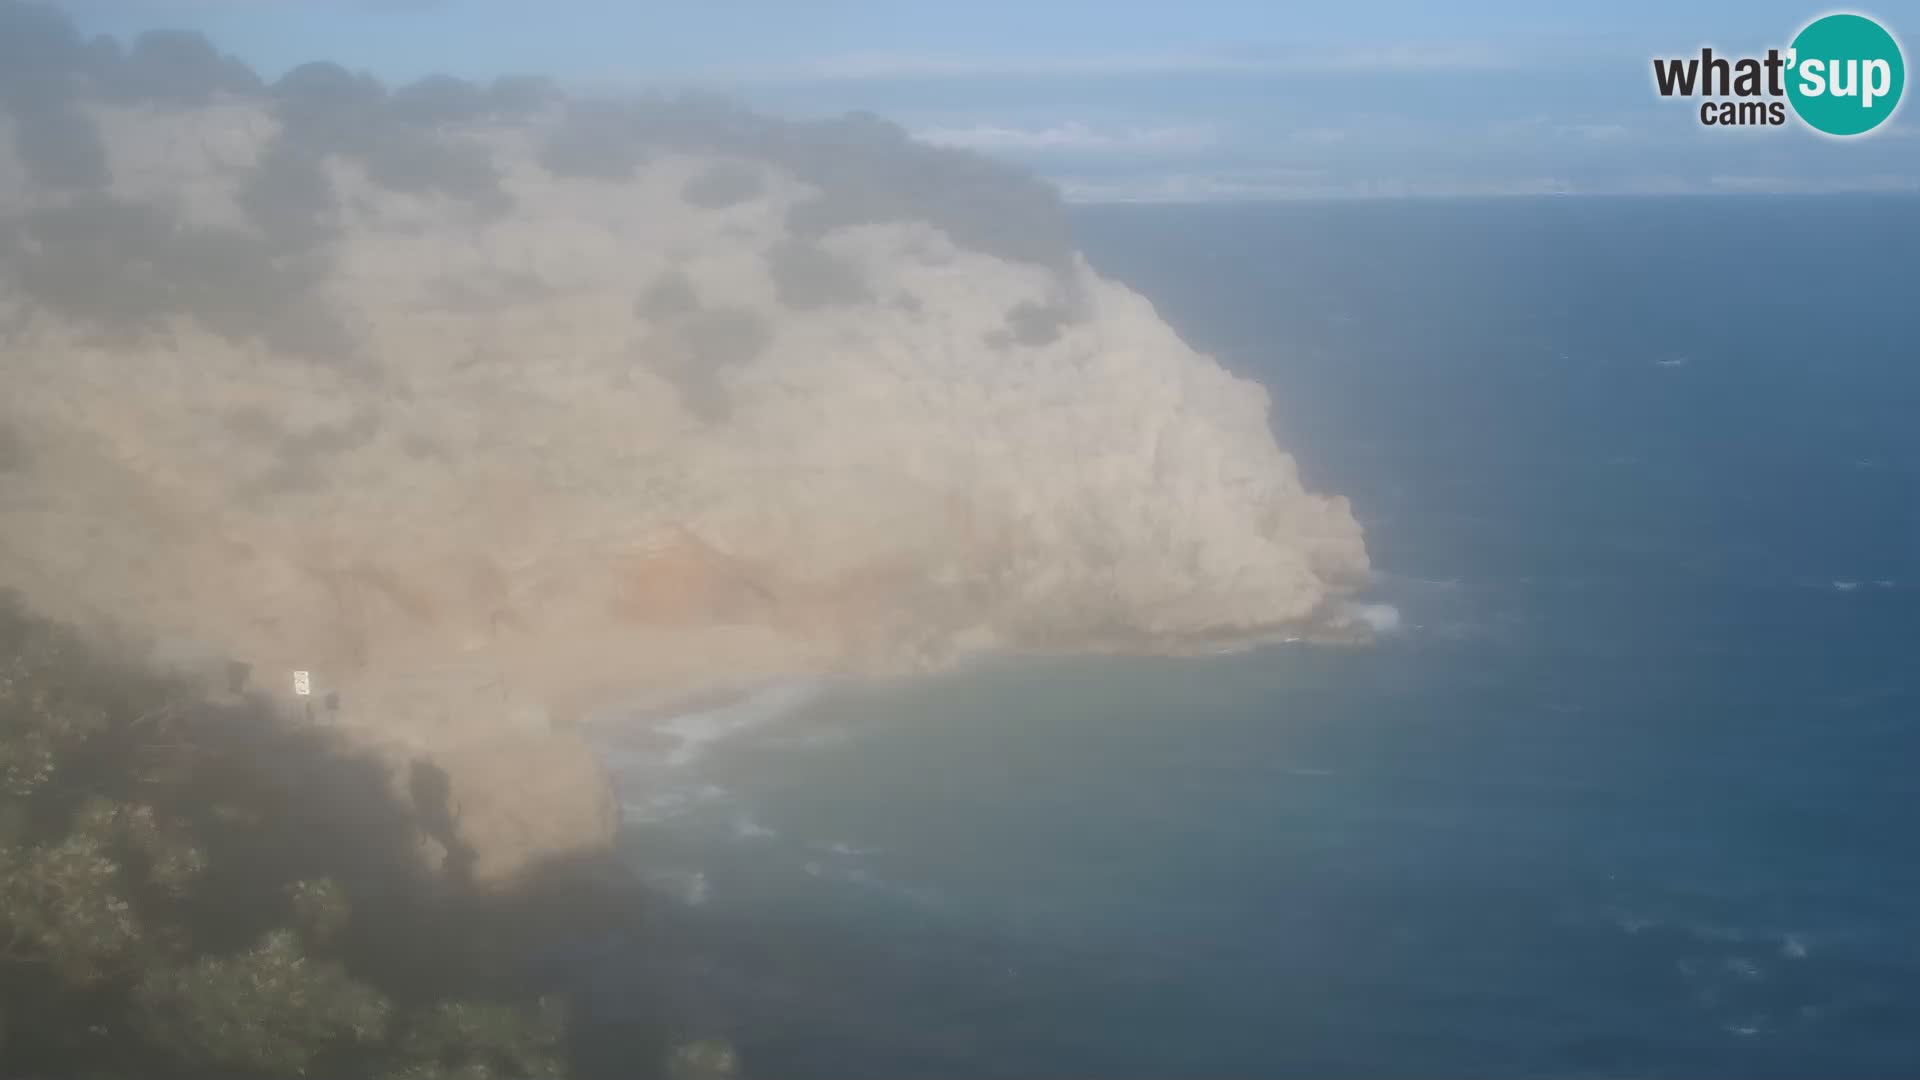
(1119, 101)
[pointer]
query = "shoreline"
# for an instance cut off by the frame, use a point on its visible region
(673, 729)
(651, 709)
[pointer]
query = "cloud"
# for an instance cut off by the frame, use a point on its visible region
(378, 7)
(1321, 136)
(1280, 183)
(1766, 184)
(1599, 132)
(914, 66)
(886, 66)
(1428, 57)
(1075, 137)
(1191, 187)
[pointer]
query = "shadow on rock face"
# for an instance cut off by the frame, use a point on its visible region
(432, 795)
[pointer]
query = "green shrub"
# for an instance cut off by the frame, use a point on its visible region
(723, 184)
(190, 893)
(807, 276)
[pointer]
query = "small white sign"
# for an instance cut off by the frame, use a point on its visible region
(302, 684)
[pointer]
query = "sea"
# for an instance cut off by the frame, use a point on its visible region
(1632, 789)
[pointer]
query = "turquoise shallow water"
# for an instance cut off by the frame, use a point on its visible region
(1630, 793)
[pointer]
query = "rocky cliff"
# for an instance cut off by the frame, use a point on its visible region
(485, 406)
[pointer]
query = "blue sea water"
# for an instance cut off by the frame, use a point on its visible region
(1632, 792)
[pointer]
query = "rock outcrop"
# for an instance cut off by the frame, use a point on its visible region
(486, 408)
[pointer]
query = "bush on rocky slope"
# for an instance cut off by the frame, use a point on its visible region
(195, 889)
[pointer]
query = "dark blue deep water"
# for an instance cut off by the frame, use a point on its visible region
(1633, 793)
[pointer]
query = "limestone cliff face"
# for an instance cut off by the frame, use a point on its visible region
(481, 455)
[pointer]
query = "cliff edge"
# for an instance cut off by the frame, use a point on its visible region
(486, 406)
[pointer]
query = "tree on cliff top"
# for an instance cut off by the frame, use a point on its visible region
(866, 170)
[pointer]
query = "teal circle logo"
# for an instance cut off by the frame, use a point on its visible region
(1845, 74)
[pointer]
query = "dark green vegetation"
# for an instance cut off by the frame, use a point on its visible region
(806, 275)
(125, 266)
(194, 889)
(1030, 323)
(723, 184)
(710, 343)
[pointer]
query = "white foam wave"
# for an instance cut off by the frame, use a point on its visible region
(822, 735)
(746, 828)
(1379, 618)
(1394, 582)
(854, 874)
(694, 732)
(1790, 944)
(664, 802)
(639, 746)
(689, 887)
